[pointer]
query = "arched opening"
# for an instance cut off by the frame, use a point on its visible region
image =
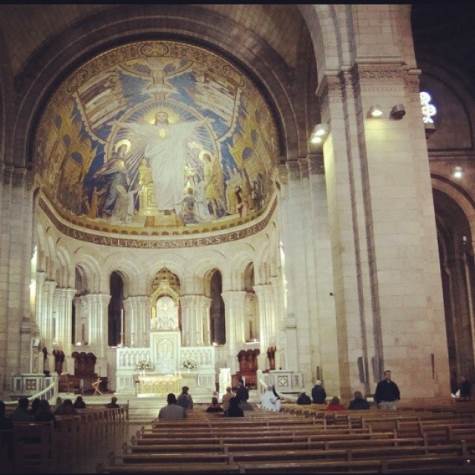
(116, 310)
(251, 308)
(458, 281)
(217, 310)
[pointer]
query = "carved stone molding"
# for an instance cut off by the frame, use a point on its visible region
(293, 170)
(157, 243)
(315, 162)
(304, 167)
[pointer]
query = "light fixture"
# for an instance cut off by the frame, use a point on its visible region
(398, 112)
(457, 172)
(214, 343)
(320, 130)
(375, 111)
(428, 110)
(318, 133)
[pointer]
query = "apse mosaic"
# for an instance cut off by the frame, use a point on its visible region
(156, 134)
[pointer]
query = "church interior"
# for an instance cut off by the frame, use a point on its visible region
(211, 196)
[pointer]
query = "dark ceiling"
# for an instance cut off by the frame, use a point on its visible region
(446, 32)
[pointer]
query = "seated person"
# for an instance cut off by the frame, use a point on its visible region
(44, 413)
(20, 414)
(66, 408)
(465, 389)
(234, 409)
(6, 432)
(359, 402)
(319, 394)
(5, 422)
(226, 398)
(303, 399)
(79, 403)
(59, 401)
(172, 411)
(184, 399)
(215, 406)
(335, 405)
(113, 404)
(269, 401)
(34, 406)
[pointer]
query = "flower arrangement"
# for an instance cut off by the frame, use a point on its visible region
(189, 364)
(143, 365)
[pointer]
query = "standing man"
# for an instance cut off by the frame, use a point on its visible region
(387, 393)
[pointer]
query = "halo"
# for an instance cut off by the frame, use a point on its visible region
(203, 153)
(125, 142)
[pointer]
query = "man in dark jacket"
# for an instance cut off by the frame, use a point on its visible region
(359, 402)
(319, 394)
(387, 392)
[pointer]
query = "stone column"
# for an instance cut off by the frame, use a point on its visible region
(140, 324)
(195, 317)
(267, 336)
(130, 323)
(64, 299)
(40, 293)
(48, 314)
(97, 305)
(234, 307)
(205, 303)
(299, 269)
(387, 286)
(16, 220)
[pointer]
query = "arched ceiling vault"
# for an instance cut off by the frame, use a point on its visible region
(88, 36)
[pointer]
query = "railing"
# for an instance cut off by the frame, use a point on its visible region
(49, 393)
(202, 356)
(127, 358)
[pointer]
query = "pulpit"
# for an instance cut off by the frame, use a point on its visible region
(247, 367)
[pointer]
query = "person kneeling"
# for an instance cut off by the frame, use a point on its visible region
(303, 399)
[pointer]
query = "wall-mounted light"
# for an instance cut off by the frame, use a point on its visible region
(375, 111)
(397, 112)
(319, 132)
(214, 343)
(428, 110)
(457, 172)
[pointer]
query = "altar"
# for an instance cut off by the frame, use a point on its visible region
(158, 385)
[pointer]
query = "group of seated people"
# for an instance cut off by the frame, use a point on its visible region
(233, 404)
(41, 410)
(358, 402)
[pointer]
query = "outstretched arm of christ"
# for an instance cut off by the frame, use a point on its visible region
(142, 130)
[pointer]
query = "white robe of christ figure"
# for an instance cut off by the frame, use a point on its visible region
(165, 147)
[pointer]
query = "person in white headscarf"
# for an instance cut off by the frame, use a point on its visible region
(269, 401)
